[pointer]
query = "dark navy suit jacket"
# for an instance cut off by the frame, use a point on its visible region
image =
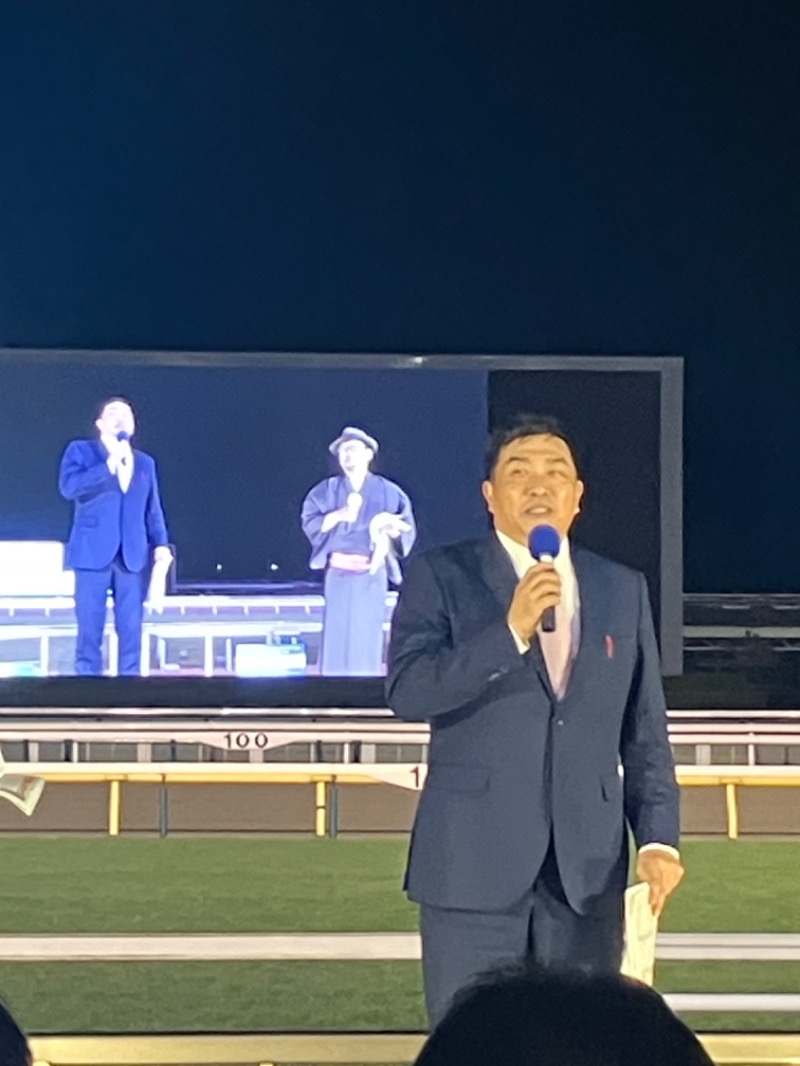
(510, 765)
(106, 519)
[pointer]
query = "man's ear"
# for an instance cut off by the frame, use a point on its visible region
(487, 493)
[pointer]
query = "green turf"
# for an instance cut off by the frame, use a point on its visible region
(212, 885)
(741, 886)
(240, 884)
(226, 996)
(233, 996)
(779, 977)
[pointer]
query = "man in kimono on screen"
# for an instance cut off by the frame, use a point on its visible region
(360, 525)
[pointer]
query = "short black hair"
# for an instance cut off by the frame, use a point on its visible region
(113, 399)
(524, 425)
(14, 1050)
(524, 1015)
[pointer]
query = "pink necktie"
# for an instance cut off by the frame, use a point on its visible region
(557, 652)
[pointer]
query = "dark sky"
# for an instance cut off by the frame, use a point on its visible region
(597, 176)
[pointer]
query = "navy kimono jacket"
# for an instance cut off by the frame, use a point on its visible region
(355, 602)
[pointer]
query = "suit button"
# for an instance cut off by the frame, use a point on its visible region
(560, 721)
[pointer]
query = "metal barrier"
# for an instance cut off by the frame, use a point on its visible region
(326, 777)
(323, 1048)
(347, 947)
(752, 736)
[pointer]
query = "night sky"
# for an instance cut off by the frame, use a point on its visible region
(596, 176)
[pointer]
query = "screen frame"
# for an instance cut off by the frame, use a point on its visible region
(670, 369)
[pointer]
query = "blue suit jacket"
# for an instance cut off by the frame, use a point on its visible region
(509, 763)
(106, 519)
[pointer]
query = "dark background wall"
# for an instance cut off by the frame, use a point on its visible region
(605, 177)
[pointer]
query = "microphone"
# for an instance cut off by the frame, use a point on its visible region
(124, 438)
(544, 544)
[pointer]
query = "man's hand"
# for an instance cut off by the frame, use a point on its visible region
(348, 513)
(157, 591)
(391, 525)
(537, 590)
(380, 552)
(118, 452)
(114, 448)
(662, 872)
(354, 501)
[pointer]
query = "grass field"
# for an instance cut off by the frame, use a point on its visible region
(239, 884)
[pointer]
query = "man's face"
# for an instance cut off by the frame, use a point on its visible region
(534, 483)
(117, 417)
(354, 457)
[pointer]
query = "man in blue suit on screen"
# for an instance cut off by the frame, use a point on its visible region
(118, 532)
(542, 686)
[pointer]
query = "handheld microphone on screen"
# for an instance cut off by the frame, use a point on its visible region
(544, 544)
(124, 438)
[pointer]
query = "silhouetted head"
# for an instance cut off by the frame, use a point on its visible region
(525, 1016)
(14, 1050)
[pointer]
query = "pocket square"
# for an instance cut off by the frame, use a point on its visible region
(609, 646)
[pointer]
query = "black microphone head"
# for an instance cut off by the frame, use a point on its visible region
(544, 541)
(123, 435)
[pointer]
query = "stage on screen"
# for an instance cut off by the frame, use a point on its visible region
(277, 505)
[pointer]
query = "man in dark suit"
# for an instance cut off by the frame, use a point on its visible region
(543, 744)
(118, 531)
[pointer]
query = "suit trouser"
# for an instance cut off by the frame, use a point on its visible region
(457, 946)
(128, 589)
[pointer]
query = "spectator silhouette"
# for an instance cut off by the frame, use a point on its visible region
(14, 1050)
(525, 1016)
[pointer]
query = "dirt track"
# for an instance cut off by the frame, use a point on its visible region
(361, 808)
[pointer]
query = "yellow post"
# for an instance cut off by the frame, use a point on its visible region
(320, 808)
(114, 807)
(731, 802)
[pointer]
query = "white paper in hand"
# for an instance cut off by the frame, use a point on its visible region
(380, 551)
(157, 592)
(641, 931)
(23, 792)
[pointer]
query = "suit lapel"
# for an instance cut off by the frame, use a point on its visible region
(497, 570)
(499, 574)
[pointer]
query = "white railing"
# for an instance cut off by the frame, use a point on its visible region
(264, 729)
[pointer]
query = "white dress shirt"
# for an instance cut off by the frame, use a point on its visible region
(560, 647)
